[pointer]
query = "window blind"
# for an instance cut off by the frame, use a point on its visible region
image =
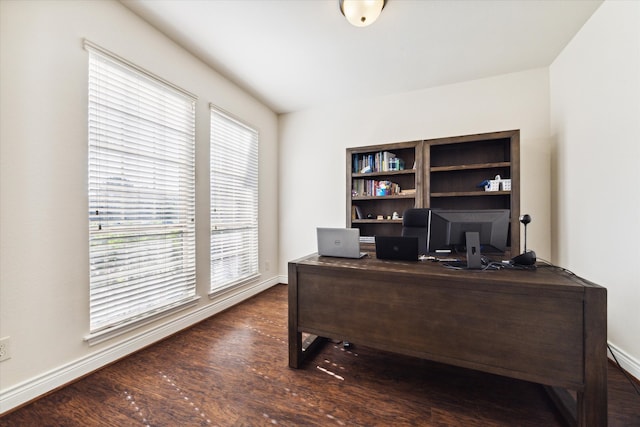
(141, 182)
(234, 201)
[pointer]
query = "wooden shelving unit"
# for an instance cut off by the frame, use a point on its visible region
(372, 213)
(442, 173)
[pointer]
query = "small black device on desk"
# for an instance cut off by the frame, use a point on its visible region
(397, 248)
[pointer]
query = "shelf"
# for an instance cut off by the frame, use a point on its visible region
(471, 193)
(397, 196)
(470, 167)
(387, 173)
(376, 221)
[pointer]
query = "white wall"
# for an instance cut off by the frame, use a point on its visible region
(313, 143)
(595, 116)
(44, 271)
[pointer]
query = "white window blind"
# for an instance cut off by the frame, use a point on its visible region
(234, 201)
(141, 193)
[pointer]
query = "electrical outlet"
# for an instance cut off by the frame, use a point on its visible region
(5, 348)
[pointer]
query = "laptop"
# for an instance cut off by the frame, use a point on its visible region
(339, 242)
(397, 248)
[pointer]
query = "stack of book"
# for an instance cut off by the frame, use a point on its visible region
(383, 161)
(372, 187)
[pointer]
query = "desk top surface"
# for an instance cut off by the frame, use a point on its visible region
(542, 275)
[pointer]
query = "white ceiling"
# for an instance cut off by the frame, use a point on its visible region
(299, 54)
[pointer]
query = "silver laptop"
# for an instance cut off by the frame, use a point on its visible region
(339, 242)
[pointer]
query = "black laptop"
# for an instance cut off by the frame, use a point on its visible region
(397, 247)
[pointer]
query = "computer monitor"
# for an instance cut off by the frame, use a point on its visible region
(448, 227)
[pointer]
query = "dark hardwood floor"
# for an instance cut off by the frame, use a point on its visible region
(231, 370)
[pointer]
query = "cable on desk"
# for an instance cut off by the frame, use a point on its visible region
(510, 266)
(461, 265)
(549, 264)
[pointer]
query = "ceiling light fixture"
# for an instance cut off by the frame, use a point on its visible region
(361, 12)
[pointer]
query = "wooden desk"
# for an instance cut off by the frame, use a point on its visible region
(546, 325)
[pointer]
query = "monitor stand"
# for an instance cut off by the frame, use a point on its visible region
(474, 258)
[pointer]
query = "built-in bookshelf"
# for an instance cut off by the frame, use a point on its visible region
(383, 180)
(443, 173)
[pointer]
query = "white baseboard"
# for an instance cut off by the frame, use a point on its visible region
(29, 390)
(628, 363)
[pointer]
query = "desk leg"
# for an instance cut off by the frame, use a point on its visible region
(295, 350)
(298, 350)
(592, 402)
(295, 337)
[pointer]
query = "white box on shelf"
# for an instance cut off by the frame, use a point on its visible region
(493, 185)
(505, 184)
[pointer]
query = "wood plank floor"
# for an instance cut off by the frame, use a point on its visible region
(231, 370)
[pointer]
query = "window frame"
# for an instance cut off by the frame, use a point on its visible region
(153, 194)
(239, 213)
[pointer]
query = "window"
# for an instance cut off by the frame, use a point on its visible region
(141, 194)
(234, 201)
